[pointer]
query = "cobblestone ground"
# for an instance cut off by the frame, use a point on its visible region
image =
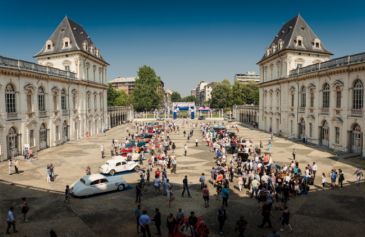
(339, 212)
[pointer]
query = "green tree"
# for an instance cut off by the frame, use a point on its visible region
(175, 96)
(116, 97)
(222, 95)
(189, 98)
(245, 93)
(148, 92)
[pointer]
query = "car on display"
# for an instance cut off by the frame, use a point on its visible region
(114, 166)
(201, 118)
(97, 183)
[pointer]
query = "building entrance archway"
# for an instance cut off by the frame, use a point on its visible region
(43, 137)
(356, 139)
(324, 134)
(12, 143)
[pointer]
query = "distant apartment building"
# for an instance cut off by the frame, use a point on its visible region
(126, 84)
(248, 77)
(203, 92)
(193, 92)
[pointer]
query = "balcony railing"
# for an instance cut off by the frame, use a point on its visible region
(301, 109)
(311, 110)
(338, 111)
(324, 110)
(65, 112)
(12, 115)
(356, 112)
(24, 65)
(336, 62)
(42, 114)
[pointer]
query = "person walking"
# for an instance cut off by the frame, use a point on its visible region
(196, 142)
(202, 181)
(10, 166)
(241, 225)
(138, 192)
(359, 174)
(185, 150)
(173, 146)
(157, 220)
(192, 221)
(10, 219)
(205, 192)
(324, 180)
(314, 170)
(294, 154)
(225, 196)
(24, 209)
(341, 178)
(171, 225)
(102, 151)
(266, 213)
(67, 194)
(16, 166)
(285, 216)
(137, 214)
(333, 176)
(185, 187)
(170, 195)
(174, 164)
(222, 216)
(144, 222)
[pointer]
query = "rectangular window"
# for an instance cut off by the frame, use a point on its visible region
(63, 102)
(292, 100)
(337, 133)
(29, 103)
(310, 130)
(57, 133)
(55, 102)
(31, 138)
(312, 99)
(338, 99)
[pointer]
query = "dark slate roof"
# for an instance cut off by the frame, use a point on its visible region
(76, 34)
(297, 26)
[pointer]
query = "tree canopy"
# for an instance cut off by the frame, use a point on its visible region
(221, 95)
(148, 93)
(175, 96)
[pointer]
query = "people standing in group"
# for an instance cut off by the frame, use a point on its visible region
(222, 217)
(333, 176)
(185, 187)
(157, 220)
(144, 222)
(10, 219)
(24, 209)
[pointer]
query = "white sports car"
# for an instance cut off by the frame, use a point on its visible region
(118, 165)
(97, 183)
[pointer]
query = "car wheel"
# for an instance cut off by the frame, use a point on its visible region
(137, 168)
(112, 172)
(121, 187)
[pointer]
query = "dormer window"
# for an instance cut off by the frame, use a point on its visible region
(317, 44)
(85, 46)
(267, 52)
(49, 45)
(66, 42)
(299, 41)
(281, 44)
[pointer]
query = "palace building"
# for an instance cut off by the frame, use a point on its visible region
(305, 95)
(62, 97)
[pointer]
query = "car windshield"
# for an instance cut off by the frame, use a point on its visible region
(82, 181)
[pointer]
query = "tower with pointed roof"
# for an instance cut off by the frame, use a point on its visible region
(70, 48)
(294, 46)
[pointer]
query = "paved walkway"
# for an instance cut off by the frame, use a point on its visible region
(321, 213)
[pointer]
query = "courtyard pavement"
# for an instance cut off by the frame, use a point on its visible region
(338, 212)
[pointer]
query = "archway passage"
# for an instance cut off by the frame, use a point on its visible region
(301, 129)
(65, 131)
(43, 137)
(356, 139)
(12, 143)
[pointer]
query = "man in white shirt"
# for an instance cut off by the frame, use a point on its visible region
(314, 169)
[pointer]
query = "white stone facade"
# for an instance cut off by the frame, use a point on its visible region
(320, 101)
(62, 98)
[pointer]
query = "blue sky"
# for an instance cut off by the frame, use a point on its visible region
(184, 41)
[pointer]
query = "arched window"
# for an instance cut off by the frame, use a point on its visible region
(74, 99)
(326, 96)
(43, 136)
(41, 99)
(358, 95)
(63, 100)
(303, 97)
(88, 100)
(338, 96)
(10, 99)
(95, 103)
